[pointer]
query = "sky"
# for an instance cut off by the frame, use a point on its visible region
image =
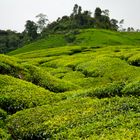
(15, 13)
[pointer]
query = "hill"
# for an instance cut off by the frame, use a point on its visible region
(83, 84)
(85, 37)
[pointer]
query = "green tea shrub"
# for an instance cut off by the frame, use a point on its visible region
(3, 130)
(134, 60)
(48, 52)
(132, 88)
(58, 72)
(4, 135)
(109, 90)
(100, 66)
(42, 78)
(73, 76)
(79, 118)
(4, 68)
(9, 65)
(17, 94)
(3, 114)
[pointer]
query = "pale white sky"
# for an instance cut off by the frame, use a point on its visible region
(14, 13)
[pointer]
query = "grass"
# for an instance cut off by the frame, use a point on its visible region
(84, 89)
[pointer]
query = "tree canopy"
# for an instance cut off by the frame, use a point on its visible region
(80, 19)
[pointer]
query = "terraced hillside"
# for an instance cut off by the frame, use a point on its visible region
(85, 89)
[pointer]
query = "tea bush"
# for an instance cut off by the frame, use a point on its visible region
(17, 94)
(132, 88)
(134, 60)
(101, 66)
(79, 118)
(3, 129)
(9, 65)
(40, 77)
(3, 114)
(4, 135)
(109, 90)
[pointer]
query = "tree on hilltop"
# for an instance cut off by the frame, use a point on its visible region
(41, 23)
(31, 30)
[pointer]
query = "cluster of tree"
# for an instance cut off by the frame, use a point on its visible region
(130, 29)
(83, 19)
(10, 40)
(33, 30)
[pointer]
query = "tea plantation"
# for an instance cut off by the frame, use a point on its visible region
(84, 85)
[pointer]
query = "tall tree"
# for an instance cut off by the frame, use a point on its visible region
(106, 12)
(97, 13)
(97, 16)
(41, 23)
(114, 24)
(79, 10)
(121, 22)
(75, 10)
(31, 29)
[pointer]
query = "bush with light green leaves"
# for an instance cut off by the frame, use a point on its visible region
(17, 94)
(79, 118)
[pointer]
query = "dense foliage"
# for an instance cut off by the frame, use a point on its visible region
(9, 40)
(84, 84)
(84, 118)
(83, 19)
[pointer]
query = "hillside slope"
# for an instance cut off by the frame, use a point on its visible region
(86, 37)
(87, 89)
